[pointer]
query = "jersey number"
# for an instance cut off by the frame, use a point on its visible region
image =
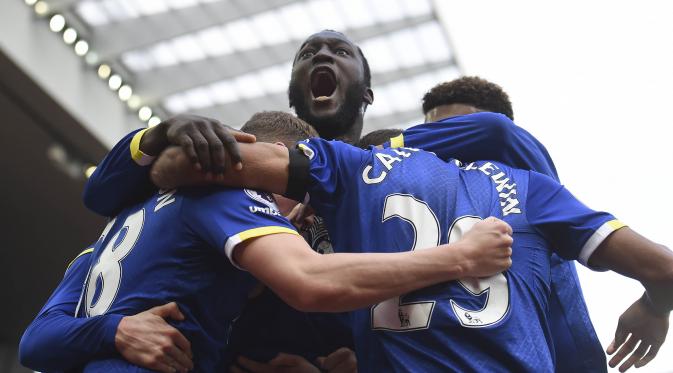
(108, 270)
(395, 315)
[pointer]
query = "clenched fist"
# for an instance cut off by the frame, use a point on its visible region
(487, 245)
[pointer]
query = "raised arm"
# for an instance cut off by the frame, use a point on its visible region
(600, 241)
(122, 178)
(643, 327)
(309, 281)
(118, 180)
(632, 255)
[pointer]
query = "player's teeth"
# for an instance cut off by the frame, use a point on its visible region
(322, 98)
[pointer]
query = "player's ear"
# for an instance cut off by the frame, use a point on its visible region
(368, 96)
(281, 144)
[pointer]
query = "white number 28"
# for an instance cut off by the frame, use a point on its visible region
(108, 268)
(395, 315)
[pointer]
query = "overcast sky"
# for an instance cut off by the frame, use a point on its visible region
(592, 80)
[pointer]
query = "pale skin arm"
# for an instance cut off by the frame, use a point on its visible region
(633, 255)
(340, 282)
(147, 340)
(266, 168)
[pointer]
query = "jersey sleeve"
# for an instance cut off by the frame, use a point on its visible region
(479, 136)
(223, 218)
(121, 179)
(574, 230)
(332, 167)
(57, 340)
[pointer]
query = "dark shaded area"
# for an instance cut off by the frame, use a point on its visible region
(44, 223)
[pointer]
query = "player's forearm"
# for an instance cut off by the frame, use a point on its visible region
(57, 341)
(632, 255)
(343, 282)
(117, 182)
(265, 167)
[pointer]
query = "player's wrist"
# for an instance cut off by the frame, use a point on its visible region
(654, 306)
(110, 331)
(457, 260)
(154, 140)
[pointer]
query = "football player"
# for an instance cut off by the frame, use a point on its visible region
(172, 247)
(406, 199)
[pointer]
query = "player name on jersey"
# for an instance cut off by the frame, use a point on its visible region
(388, 161)
(506, 192)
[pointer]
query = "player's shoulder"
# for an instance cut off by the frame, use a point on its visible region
(483, 117)
(489, 167)
(82, 259)
(209, 196)
(311, 147)
(224, 198)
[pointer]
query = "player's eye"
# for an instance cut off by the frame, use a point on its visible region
(306, 54)
(342, 52)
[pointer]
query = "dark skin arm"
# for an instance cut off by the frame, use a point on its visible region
(646, 321)
(205, 141)
(624, 251)
(632, 255)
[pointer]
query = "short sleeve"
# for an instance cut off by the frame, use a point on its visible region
(333, 166)
(223, 218)
(574, 230)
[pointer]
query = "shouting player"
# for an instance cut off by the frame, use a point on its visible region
(406, 199)
(330, 87)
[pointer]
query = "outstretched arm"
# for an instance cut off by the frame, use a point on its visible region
(600, 241)
(633, 255)
(309, 281)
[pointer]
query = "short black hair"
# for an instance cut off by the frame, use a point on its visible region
(377, 137)
(365, 63)
(469, 90)
(272, 126)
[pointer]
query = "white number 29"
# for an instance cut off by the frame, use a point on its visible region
(108, 268)
(394, 315)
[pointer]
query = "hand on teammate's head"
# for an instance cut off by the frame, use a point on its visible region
(208, 143)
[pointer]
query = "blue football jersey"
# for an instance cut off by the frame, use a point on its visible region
(394, 200)
(494, 136)
(173, 247)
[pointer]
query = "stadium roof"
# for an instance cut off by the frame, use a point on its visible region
(229, 59)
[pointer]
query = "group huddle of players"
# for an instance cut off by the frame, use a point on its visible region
(450, 244)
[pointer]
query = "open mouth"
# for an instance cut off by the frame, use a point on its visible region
(323, 83)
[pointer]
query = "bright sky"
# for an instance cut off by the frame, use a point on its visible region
(592, 80)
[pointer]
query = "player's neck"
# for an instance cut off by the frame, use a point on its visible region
(354, 132)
